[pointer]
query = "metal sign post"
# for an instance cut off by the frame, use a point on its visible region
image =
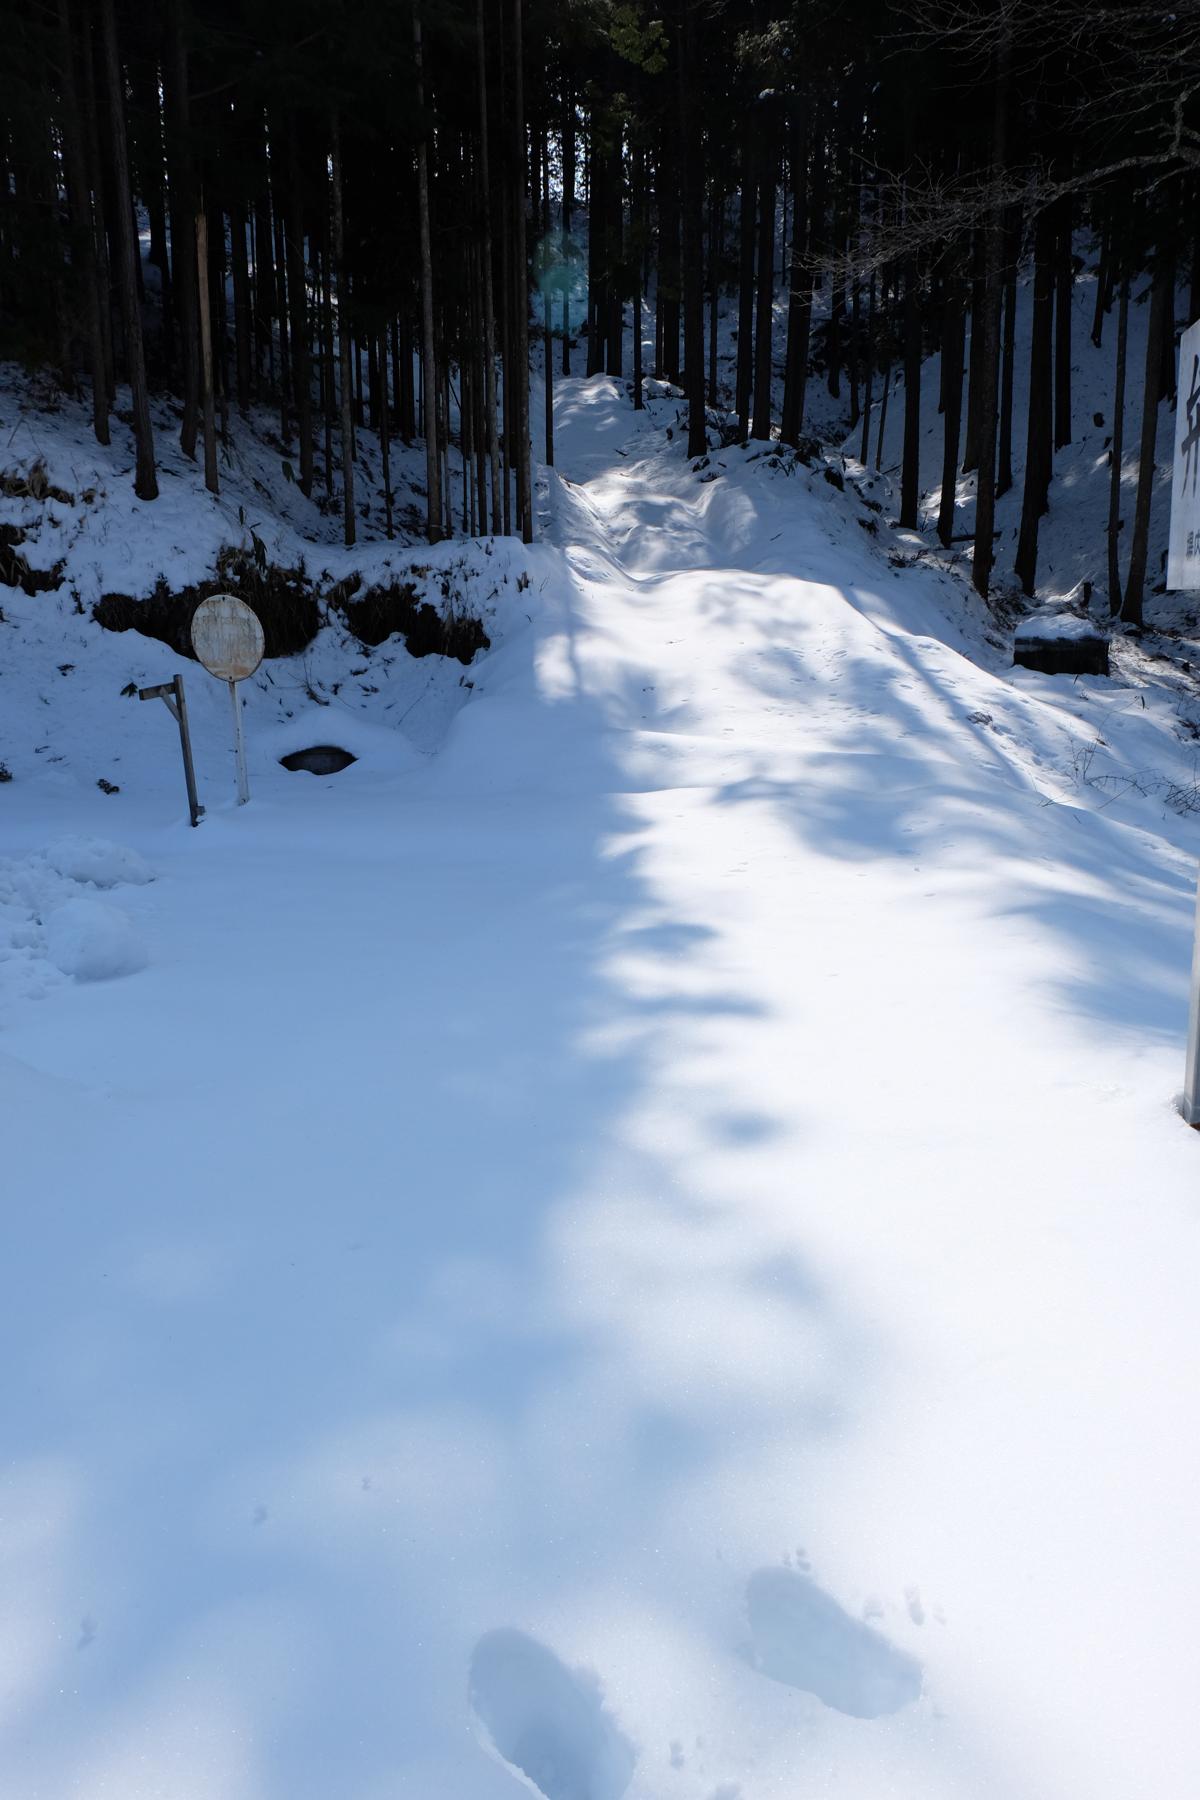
(227, 637)
(1183, 571)
(171, 694)
(239, 745)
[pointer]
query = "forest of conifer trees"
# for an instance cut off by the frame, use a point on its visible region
(382, 216)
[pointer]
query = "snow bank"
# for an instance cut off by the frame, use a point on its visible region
(98, 862)
(1042, 627)
(374, 747)
(49, 929)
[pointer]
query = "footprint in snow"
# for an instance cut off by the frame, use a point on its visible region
(546, 1721)
(802, 1637)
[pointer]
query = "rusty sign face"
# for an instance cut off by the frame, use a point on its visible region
(227, 637)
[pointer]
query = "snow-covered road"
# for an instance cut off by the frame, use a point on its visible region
(659, 1237)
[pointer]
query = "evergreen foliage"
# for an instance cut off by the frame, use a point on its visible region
(362, 213)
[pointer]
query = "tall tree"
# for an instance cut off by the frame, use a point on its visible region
(429, 368)
(146, 480)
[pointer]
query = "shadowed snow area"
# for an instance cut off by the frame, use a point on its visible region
(672, 1173)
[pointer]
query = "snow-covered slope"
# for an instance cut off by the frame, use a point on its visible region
(639, 1245)
(69, 714)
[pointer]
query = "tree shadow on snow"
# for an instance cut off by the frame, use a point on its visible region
(356, 1307)
(931, 762)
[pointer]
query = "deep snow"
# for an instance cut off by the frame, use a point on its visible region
(636, 1241)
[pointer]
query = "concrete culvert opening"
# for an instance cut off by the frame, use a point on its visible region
(322, 759)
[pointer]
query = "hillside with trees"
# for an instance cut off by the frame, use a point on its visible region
(599, 814)
(381, 218)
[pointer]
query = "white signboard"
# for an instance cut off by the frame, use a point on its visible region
(1183, 554)
(227, 637)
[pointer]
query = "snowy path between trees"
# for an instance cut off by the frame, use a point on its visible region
(651, 1254)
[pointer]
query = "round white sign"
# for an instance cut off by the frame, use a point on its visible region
(227, 637)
